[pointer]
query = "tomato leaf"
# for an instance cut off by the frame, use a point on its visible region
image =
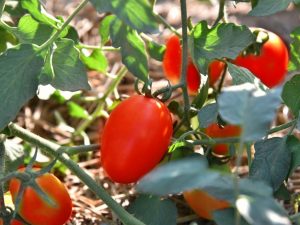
(226, 217)
(153, 211)
(6, 37)
(68, 71)
(35, 9)
(262, 211)
(293, 145)
(77, 111)
(241, 75)
(31, 31)
(271, 161)
(156, 51)
(19, 70)
(208, 115)
(96, 61)
(137, 14)
(251, 103)
(224, 40)
(291, 94)
(268, 7)
(104, 28)
(294, 63)
(132, 49)
(183, 175)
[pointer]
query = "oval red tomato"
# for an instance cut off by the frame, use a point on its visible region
(35, 210)
(135, 138)
(271, 65)
(172, 67)
(203, 203)
(216, 131)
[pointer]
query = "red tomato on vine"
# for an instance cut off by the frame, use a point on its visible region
(135, 138)
(172, 66)
(36, 211)
(216, 131)
(203, 203)
(271, 64)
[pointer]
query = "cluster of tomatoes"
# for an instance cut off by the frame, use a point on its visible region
(139, 130)
(34, 209)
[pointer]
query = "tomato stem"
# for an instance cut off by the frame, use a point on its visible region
(162, 20)
(100, 107)
(184, 61)
(222, 79)
(54, 150)
(2, 171)
(81, 149)
(221, 14)
(64, 25)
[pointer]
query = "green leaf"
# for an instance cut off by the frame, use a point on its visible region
(156, 51)
(208, 115)
(291, 94)
(250, 108)
(262, 211)
(31, 31)
(153, 211)
(268, 7)
(293, 145)
(96, 61)
(191, 173)
(240, 75)
(104, 28)
(297, 1)
(68, 71)
(294, 63)
(77, 111)
(35, 9)
(19, 70)
(226, 217)
(271, 161)
(132, 49)
(6, 37)
(224, 40)
(137, 14)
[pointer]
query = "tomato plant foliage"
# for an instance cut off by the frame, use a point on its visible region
(41, 49)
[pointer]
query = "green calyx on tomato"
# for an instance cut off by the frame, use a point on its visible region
(135, 138)
(172, 62)
(270, 62)
(216, 131)
(34, 209)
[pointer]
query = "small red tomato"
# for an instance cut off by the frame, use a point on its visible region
(172, 67)
(215, 70)
(203, 203)
(270, 66)
(216, 131)
(36, 211)
(135, 138)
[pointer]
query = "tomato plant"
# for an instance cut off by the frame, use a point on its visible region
(135, 138)
(203, 203)
(270, 63)
(36, 210)
(216, 131)
(172, 66)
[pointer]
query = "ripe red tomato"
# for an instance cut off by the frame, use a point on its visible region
(34, 210)
(203, 203)
(270, 66)
(172, 66)
(216, 131)
(135, 138)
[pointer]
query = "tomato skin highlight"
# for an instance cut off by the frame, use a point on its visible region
(135, 138)
(271, 65)
(35, 210)
(203, 204)
(215, 131)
